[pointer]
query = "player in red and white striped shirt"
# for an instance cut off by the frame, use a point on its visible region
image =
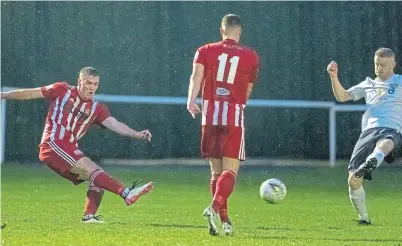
(72, 111)
(226, 72)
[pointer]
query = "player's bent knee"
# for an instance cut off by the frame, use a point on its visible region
(355, 186)
(215, 176)
(83, 177)
(231, 165)
(234, 170)
(354, 183)
(84, 167)
(387, 145)
(216, 170)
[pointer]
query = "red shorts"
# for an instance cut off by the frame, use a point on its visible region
(223, 141)
(61, 157)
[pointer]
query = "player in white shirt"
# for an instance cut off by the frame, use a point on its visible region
(381, 123)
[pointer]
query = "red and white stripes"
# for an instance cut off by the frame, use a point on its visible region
(242, 152)
(84, 124)
(59, 151)
(70, 117)
(94, 174)
(77, 116)
(222, 113)
(53, 118)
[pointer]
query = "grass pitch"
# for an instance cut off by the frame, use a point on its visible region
(40, 208)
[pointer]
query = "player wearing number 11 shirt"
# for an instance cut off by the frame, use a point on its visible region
(226, 72)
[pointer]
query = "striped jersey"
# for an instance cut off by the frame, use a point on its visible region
(228, 69)
(70, 116)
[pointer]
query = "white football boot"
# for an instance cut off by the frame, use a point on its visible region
(137, 192)
(227, 229)
(211, 216)
(90, 218)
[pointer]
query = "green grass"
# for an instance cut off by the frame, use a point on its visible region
(42, 209)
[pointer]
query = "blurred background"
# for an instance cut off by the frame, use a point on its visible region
(147, 48)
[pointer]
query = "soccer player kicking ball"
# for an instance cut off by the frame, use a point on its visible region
(72, 111)
(381, 123)
(226, 70)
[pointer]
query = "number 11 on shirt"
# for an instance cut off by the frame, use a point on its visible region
(234, 61)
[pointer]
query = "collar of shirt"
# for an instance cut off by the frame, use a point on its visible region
(385, 81)
(78, 94)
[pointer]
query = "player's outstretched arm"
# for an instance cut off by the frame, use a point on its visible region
(340, 93)
(23, 94)
(122, 129)
(194, 89)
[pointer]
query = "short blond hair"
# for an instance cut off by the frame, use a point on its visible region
(231, 20)
(384, 52)
(89, 71)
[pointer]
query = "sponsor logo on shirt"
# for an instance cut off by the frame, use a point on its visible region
(222, 91)
(392, 88)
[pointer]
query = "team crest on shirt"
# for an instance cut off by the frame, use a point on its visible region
(377, 94)
(381, 92)
(84, 114)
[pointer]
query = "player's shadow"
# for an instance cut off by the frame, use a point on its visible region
(176, 226)
(292, 229)
(330, 239)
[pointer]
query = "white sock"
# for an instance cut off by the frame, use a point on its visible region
(378, 154)
(358, 199)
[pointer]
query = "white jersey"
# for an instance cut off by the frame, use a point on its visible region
(384, 101)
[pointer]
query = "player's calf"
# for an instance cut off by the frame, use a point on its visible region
(130, 195)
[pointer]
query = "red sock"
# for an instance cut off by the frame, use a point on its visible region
(223, 212)
(94, 198)
(100, 179)
(212, 184)
(224, 188)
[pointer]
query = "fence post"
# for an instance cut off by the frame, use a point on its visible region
(332, 136)
(3, 130)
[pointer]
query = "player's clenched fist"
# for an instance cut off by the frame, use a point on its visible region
(193, 108)
(332, 69)
(145, 135)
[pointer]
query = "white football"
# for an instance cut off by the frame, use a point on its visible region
(273, 190)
